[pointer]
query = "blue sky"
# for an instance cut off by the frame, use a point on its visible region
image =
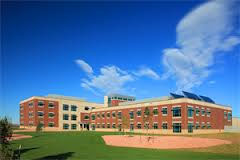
(142, 49)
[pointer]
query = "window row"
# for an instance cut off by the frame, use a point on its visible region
(66, 107)
(41, 104)
(67, 126)
(73, 117)
(228, 115)
(39, 114)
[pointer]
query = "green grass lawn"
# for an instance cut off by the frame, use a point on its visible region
(90, 146)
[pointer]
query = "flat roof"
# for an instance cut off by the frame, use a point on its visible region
(120, 95)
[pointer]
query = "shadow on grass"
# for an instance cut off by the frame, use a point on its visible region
(62, 156)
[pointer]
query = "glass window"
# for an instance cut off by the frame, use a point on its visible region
(131, 114)
(51, 115)
(164, 126)
(40, 103)
(30, 104)
(40, 114)
(65, 107)
(50, 105)
(103, 125)
(73, 117)
(119, 115)
(108, 125)
(93, 117)
(21, 107)
(197, 111)
(51, 124)
(98, 115)
(30, 114)
(108, 115)
(176, 127)
(190, 112)
(93, 127)
(146, 126)
(208, 112)
(113, 125)
(139, 113)
(229, 116)
(155, 111)
(176, 112)
(203, 112)
(103, 115)
(155, 125)
(98, 125)
(225, 114)
(113, 114)
(197, 126)
(73, 126)
(86, 108)
(139, 126)
(164, 111)
(65, 126)
(65, 116)
(73, 108)
(86, 117)
(190, 127)
(203, 126)
(208, 126)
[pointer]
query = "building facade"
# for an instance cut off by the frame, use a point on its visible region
(167, 115)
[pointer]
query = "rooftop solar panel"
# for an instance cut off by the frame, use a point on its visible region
(175, 96)
(206, 99)
(191, 95)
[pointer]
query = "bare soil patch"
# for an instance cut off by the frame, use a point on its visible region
(162, 142)
(19, 136)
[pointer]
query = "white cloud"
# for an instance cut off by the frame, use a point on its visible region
(144, 71)
(84, 66)
(110, 80)
(212, 82)
(201, 35)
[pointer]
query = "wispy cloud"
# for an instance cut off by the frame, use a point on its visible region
(84, 66)
(201, 35)
(148, 72)
(212, 82)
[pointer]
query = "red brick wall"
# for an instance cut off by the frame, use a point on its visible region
(26, 109)
(216, 118)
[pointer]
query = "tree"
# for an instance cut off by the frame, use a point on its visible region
(146, 118)
(39, 127)
(5, 135)
(125, 123)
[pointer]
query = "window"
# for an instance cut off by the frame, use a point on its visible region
(197, 111)
(119, 98)
(65, 126)
(30, 114)
(146, 126)
(65, 107)
(208, 112)
(176, 111)
(93, 117)
(30, 104)
(164, 111)
(51, 114)
(103, 115)
(119, 115)
(73, 126)
(155, 111)
(139, 113)
(197, 125)
(177, 128)
(113, 125)
(190, 112)
(108, 114)
(225, 114)
(73, 117)
(40, 103)
(86, 108)
(65, 116)
(86, 117)
(40, 114)
(50, 105)
(131, 114)
(164, 126)
(21, 107)
(108, 125)
(203, 112)
(50, 124)
(73, 108)
(139, 126)
(98, 125)
(113, 114)
(93, 127)
(103, 125)
(190, 127)
(98, 115)
(21, 115)
(208, 125)
(155, 125)
(229, 116)
(203, 125)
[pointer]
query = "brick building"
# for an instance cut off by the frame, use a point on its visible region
(171, 114)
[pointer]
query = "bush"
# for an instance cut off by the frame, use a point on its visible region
(39, 127)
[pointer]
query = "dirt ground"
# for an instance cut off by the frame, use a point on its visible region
(162, 142)
(19, 136)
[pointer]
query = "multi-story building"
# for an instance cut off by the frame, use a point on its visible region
(171, 114)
